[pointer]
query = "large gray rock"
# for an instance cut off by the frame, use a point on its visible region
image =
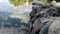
(47, 22)
(45, 11)
(55, 27)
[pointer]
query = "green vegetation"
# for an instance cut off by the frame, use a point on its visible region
(22, 2)
(49, 0)
(17, 2)
(44, 1)
(30, 1)
(55, 0)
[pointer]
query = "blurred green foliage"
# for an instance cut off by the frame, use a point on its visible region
(43, 1)
(30, 1)
(22, 2)
(52, 0)
(18, 2)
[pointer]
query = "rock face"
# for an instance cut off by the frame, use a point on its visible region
(55, 27)
(42, 16)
